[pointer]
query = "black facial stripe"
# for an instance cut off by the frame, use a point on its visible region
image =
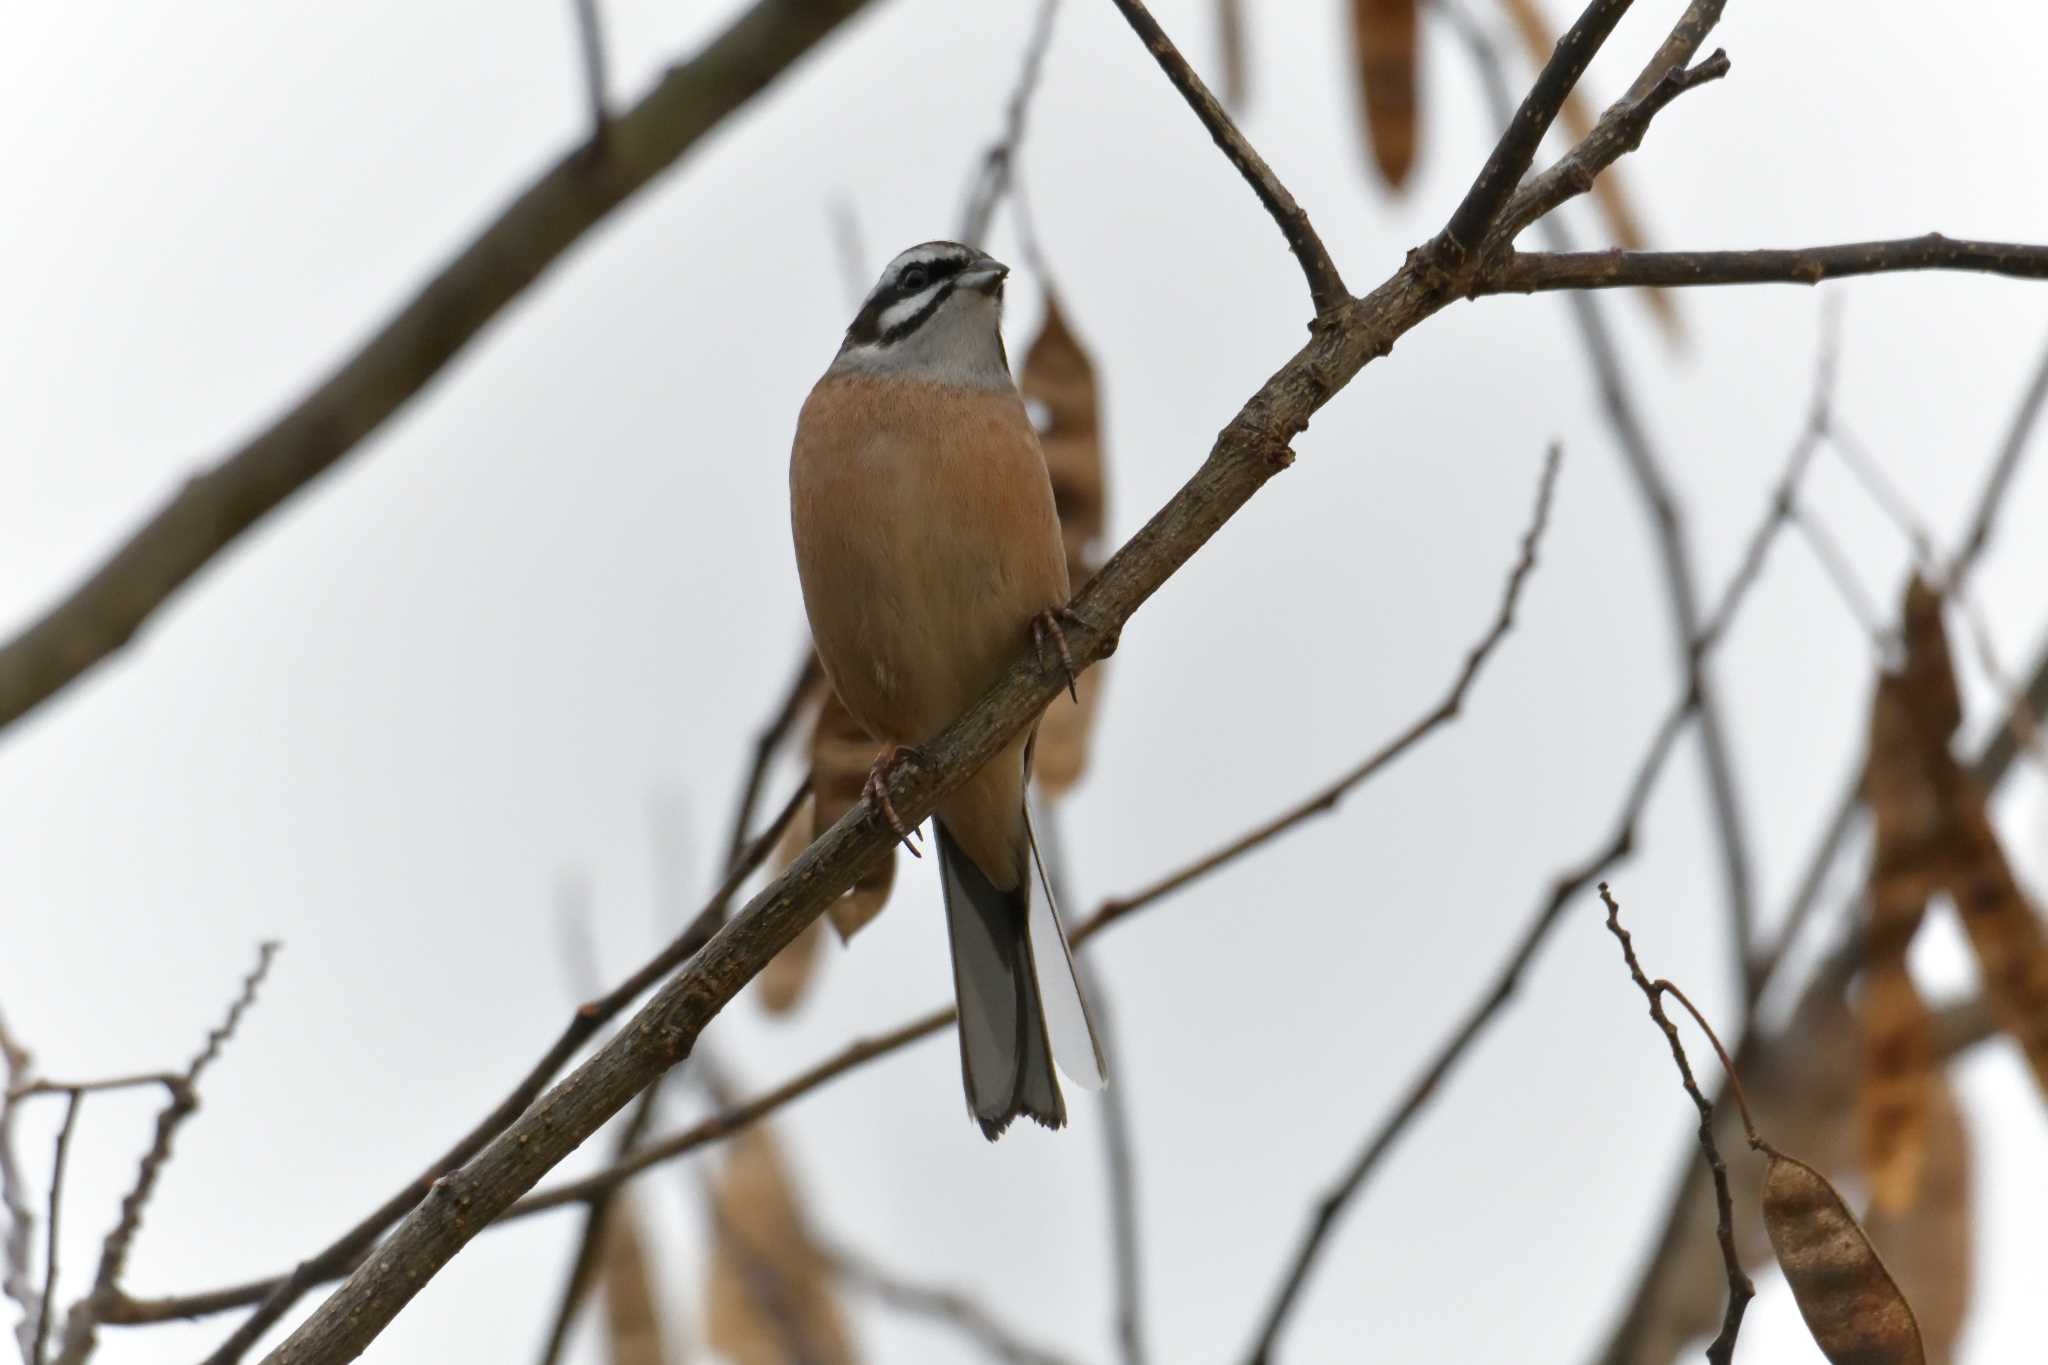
(919, 318)
(867, 327)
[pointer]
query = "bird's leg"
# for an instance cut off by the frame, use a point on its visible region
(876, 789)
(1046, 627)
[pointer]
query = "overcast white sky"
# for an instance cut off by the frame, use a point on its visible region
(385, 726)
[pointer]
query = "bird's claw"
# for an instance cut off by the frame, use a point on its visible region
(876, 791)
(1046, 627)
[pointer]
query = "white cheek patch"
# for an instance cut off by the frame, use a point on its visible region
(896, 314)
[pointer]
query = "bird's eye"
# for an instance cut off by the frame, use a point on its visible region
(915, 278)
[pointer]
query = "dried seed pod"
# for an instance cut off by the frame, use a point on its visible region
(841, 755)
(632, 1316)
(782, 982)
(1384, 38)
(1230, 44)
(1852, 1307)
(1898, 1085)
(2004, 930)
(1928, 1248)
(1059, 380)
(773, 1296)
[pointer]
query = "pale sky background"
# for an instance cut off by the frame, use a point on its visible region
(386, 726)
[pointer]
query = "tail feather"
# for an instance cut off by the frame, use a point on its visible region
(1005, 1053)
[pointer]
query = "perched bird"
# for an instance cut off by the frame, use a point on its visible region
(929, 551)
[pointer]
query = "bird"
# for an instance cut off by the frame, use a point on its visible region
(928, 550)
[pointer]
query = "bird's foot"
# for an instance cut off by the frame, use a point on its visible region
(876, 790)
(1045, 628)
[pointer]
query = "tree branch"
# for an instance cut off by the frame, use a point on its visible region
(1740, 1289)
(275, 1297)
(1326, 287)
(216, 506)
(1527, 272)
(949, 1306)
(82, 1322)
(999, 164)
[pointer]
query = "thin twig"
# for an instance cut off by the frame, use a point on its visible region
(1740, 1289)
(2010, 451)
(217, 506)
(17, 1238)
(999, 164)
(1512, 155)
(1842, 575)
(1445, 711)
(142, 1080)
(1527, 272)
(49, 1294)
(952, 1307)
(275, 1297)
(796, 697)
(1619, 844)
(1325, 283)
(1119, 1153)
(1883, 490)
(81, 1323)
(1618, 129)
(590, 37)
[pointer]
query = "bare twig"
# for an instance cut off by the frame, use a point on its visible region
(1620, 128)
(17, 1237)
(590, 38)
(81, 1323)
(49, 1294)
(1835, 564)
(1445, 711)
(1511, 157)
(1869, 471)
(805, 683)
(1740, 1289)
(1325, 283)
(275, 1297)
(955, 1309)
(1526, 272)
(1547, 914)
(218, 505)
(999, 164)
(1119, 1157)
(2007, 463)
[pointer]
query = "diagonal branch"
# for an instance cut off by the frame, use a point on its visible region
(551, 215)
(1326, 287)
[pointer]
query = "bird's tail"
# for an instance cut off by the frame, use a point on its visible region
(1007, 945)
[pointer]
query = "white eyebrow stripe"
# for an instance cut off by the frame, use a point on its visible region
(896, 314)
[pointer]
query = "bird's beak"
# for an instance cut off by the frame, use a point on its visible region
(987, 276)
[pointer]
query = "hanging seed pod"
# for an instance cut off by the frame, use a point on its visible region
(1898, 1086)
(1230, 45)
(1384, 38)
(2004, 930)
(632, 1317)
(788, 974)
(772, 1294)
(1059, 382)
(1928, 1248)
(1609, 194)
(841, 755)
(1853, 1309)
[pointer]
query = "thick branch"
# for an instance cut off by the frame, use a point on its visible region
(217, 506)
(1325, 284)
(1529, 271)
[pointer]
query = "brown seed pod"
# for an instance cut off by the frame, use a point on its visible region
(1852, 1307)
(632, 1316)
(1898, 1085)
(1059, 380)
(1928, 1248)
(773, 1293)
(841, 755)
(1230, 45)
(788, 974)
(1384, 38)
